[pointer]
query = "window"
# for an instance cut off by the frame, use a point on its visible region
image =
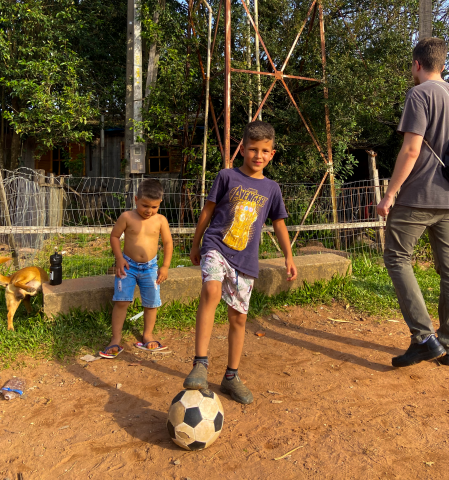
(53, 161)
(158, 160)
(58, 161)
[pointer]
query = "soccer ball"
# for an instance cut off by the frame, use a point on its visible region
(195, 419)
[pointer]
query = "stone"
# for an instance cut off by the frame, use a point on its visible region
(90, 358)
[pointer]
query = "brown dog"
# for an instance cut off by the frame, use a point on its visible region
(21, 285)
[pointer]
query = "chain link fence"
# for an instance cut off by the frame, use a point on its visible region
(75, 215)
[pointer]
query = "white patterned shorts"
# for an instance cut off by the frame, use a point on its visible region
(236, 286)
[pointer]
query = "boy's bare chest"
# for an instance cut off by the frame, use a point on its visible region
(144, 228)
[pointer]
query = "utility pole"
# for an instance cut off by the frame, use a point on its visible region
(256, 22)
(134, 151)
(425, 19)
(227, 87)
(129, 84)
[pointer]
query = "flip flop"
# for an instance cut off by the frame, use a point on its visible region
(144, 346)
(105, 353)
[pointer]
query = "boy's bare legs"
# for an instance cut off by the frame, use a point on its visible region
(231, 382)
(149, 320)
(118, 319)
(210, 298)
(236, 336)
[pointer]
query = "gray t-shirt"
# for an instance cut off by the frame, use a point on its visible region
(426, 113)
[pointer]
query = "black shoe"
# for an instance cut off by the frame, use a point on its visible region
(419, 352)
(444, 360)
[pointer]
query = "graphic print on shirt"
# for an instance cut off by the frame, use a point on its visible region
(245, 207)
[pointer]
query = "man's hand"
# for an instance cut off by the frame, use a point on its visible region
(291, 269)
(195, 255)
(383, 209)
(162, 275)
(120, 266)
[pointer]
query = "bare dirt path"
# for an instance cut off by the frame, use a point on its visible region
(354, 416)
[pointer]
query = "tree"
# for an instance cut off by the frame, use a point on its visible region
(42, 75)
(368, 46)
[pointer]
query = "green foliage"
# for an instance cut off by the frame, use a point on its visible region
(76, 165)
(42, 74)
(368, 50)
(62, 63)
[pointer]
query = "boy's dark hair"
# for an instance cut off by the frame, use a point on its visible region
(431, 53)
(151, 189)
(258, 131)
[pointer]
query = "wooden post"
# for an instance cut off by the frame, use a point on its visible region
(61, 200)
(12, 241)
(374, 177)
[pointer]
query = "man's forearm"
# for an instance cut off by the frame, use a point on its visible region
(405, 162)
(404, 165)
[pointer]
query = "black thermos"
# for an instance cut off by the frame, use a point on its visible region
(55, 268)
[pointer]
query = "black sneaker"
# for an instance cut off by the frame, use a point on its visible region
(197, 378)
(237, 390)
(419, 352)
(444, 360)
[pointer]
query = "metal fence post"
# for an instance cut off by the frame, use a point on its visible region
(330, 164)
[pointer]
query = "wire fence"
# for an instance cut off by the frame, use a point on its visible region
(75, 215)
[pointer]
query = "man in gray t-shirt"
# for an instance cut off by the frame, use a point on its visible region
(423, 202)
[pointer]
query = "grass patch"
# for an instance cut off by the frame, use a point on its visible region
(369, 290)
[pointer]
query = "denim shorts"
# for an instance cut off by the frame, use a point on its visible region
(144, 275)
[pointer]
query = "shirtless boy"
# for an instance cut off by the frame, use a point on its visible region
(138, 265)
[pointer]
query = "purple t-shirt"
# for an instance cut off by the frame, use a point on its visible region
(243, 205)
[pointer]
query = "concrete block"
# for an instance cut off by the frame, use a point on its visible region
(311, 268)
(184, 284)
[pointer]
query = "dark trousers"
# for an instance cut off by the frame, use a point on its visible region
(405, 225)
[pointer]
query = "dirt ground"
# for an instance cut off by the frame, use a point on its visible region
(352, 414)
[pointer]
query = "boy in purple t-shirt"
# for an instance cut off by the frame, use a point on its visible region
(238, 205)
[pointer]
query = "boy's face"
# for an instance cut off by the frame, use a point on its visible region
(147, 207)
(256, 155)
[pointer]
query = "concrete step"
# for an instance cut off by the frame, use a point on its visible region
(184, 284)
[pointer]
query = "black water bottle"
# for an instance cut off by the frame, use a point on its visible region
(55, 268)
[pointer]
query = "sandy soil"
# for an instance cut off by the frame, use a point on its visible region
(354, 416)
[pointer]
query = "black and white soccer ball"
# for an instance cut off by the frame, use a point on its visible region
(195, 419)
